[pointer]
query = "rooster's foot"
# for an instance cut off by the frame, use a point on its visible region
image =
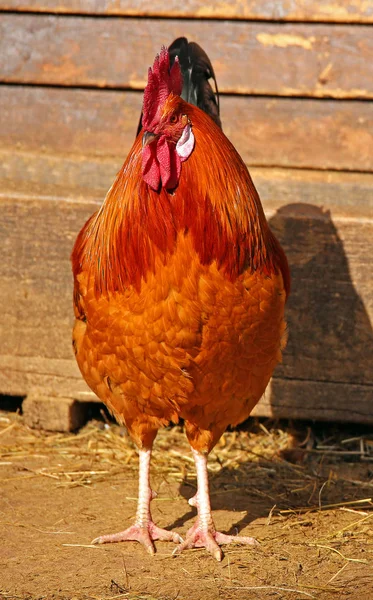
(209, 538)
(145, 534)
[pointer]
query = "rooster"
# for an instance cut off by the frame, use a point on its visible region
(179, 288)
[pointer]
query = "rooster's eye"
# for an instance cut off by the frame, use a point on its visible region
(173, 118)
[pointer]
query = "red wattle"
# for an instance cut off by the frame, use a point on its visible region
(150, 167)
(169, 164)
(161, 164)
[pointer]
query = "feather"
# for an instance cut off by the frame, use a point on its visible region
(196, 69)
(215, 201)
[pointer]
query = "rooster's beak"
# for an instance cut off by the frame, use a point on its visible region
(148, 137)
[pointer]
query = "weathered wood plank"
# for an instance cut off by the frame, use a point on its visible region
(316, 400)
(35, 295)
(349, 11)
(275, 132)
(330, 311)
(53, 413)
(321, 60)
(82, 179)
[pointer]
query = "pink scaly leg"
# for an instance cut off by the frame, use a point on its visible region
(203, 533)
(144, 530)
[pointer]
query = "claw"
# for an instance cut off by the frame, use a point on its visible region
(211, 540)
(145, 534)
(203, 533)
(97, 540)
(144, 530)
(193, 501)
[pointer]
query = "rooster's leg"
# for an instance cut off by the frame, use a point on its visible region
(203, 533)
(143, 530)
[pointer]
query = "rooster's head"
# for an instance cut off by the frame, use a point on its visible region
(167, 136)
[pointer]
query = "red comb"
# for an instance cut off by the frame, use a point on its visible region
(161, 82)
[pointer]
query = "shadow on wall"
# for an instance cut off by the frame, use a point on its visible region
(330, 349)
(330, 334)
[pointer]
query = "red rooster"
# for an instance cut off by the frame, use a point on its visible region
(180, 289)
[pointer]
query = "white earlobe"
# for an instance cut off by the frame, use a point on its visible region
(185, 145)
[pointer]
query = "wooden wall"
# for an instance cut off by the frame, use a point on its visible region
(297, 101)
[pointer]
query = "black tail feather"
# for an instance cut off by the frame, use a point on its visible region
(196, 69)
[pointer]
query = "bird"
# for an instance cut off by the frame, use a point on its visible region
(179, 288)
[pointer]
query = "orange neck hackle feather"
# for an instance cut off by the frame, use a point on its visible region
(215, 203)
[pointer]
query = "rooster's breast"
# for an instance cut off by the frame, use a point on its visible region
(191, 343)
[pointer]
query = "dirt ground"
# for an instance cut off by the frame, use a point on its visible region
(59, 491)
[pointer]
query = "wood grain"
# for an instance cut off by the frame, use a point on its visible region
(87, 179)
(315, 400)
(344, 11)
(60, 149)
(330, 311)
(53, 413)
(257, 58)
(274, 132)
